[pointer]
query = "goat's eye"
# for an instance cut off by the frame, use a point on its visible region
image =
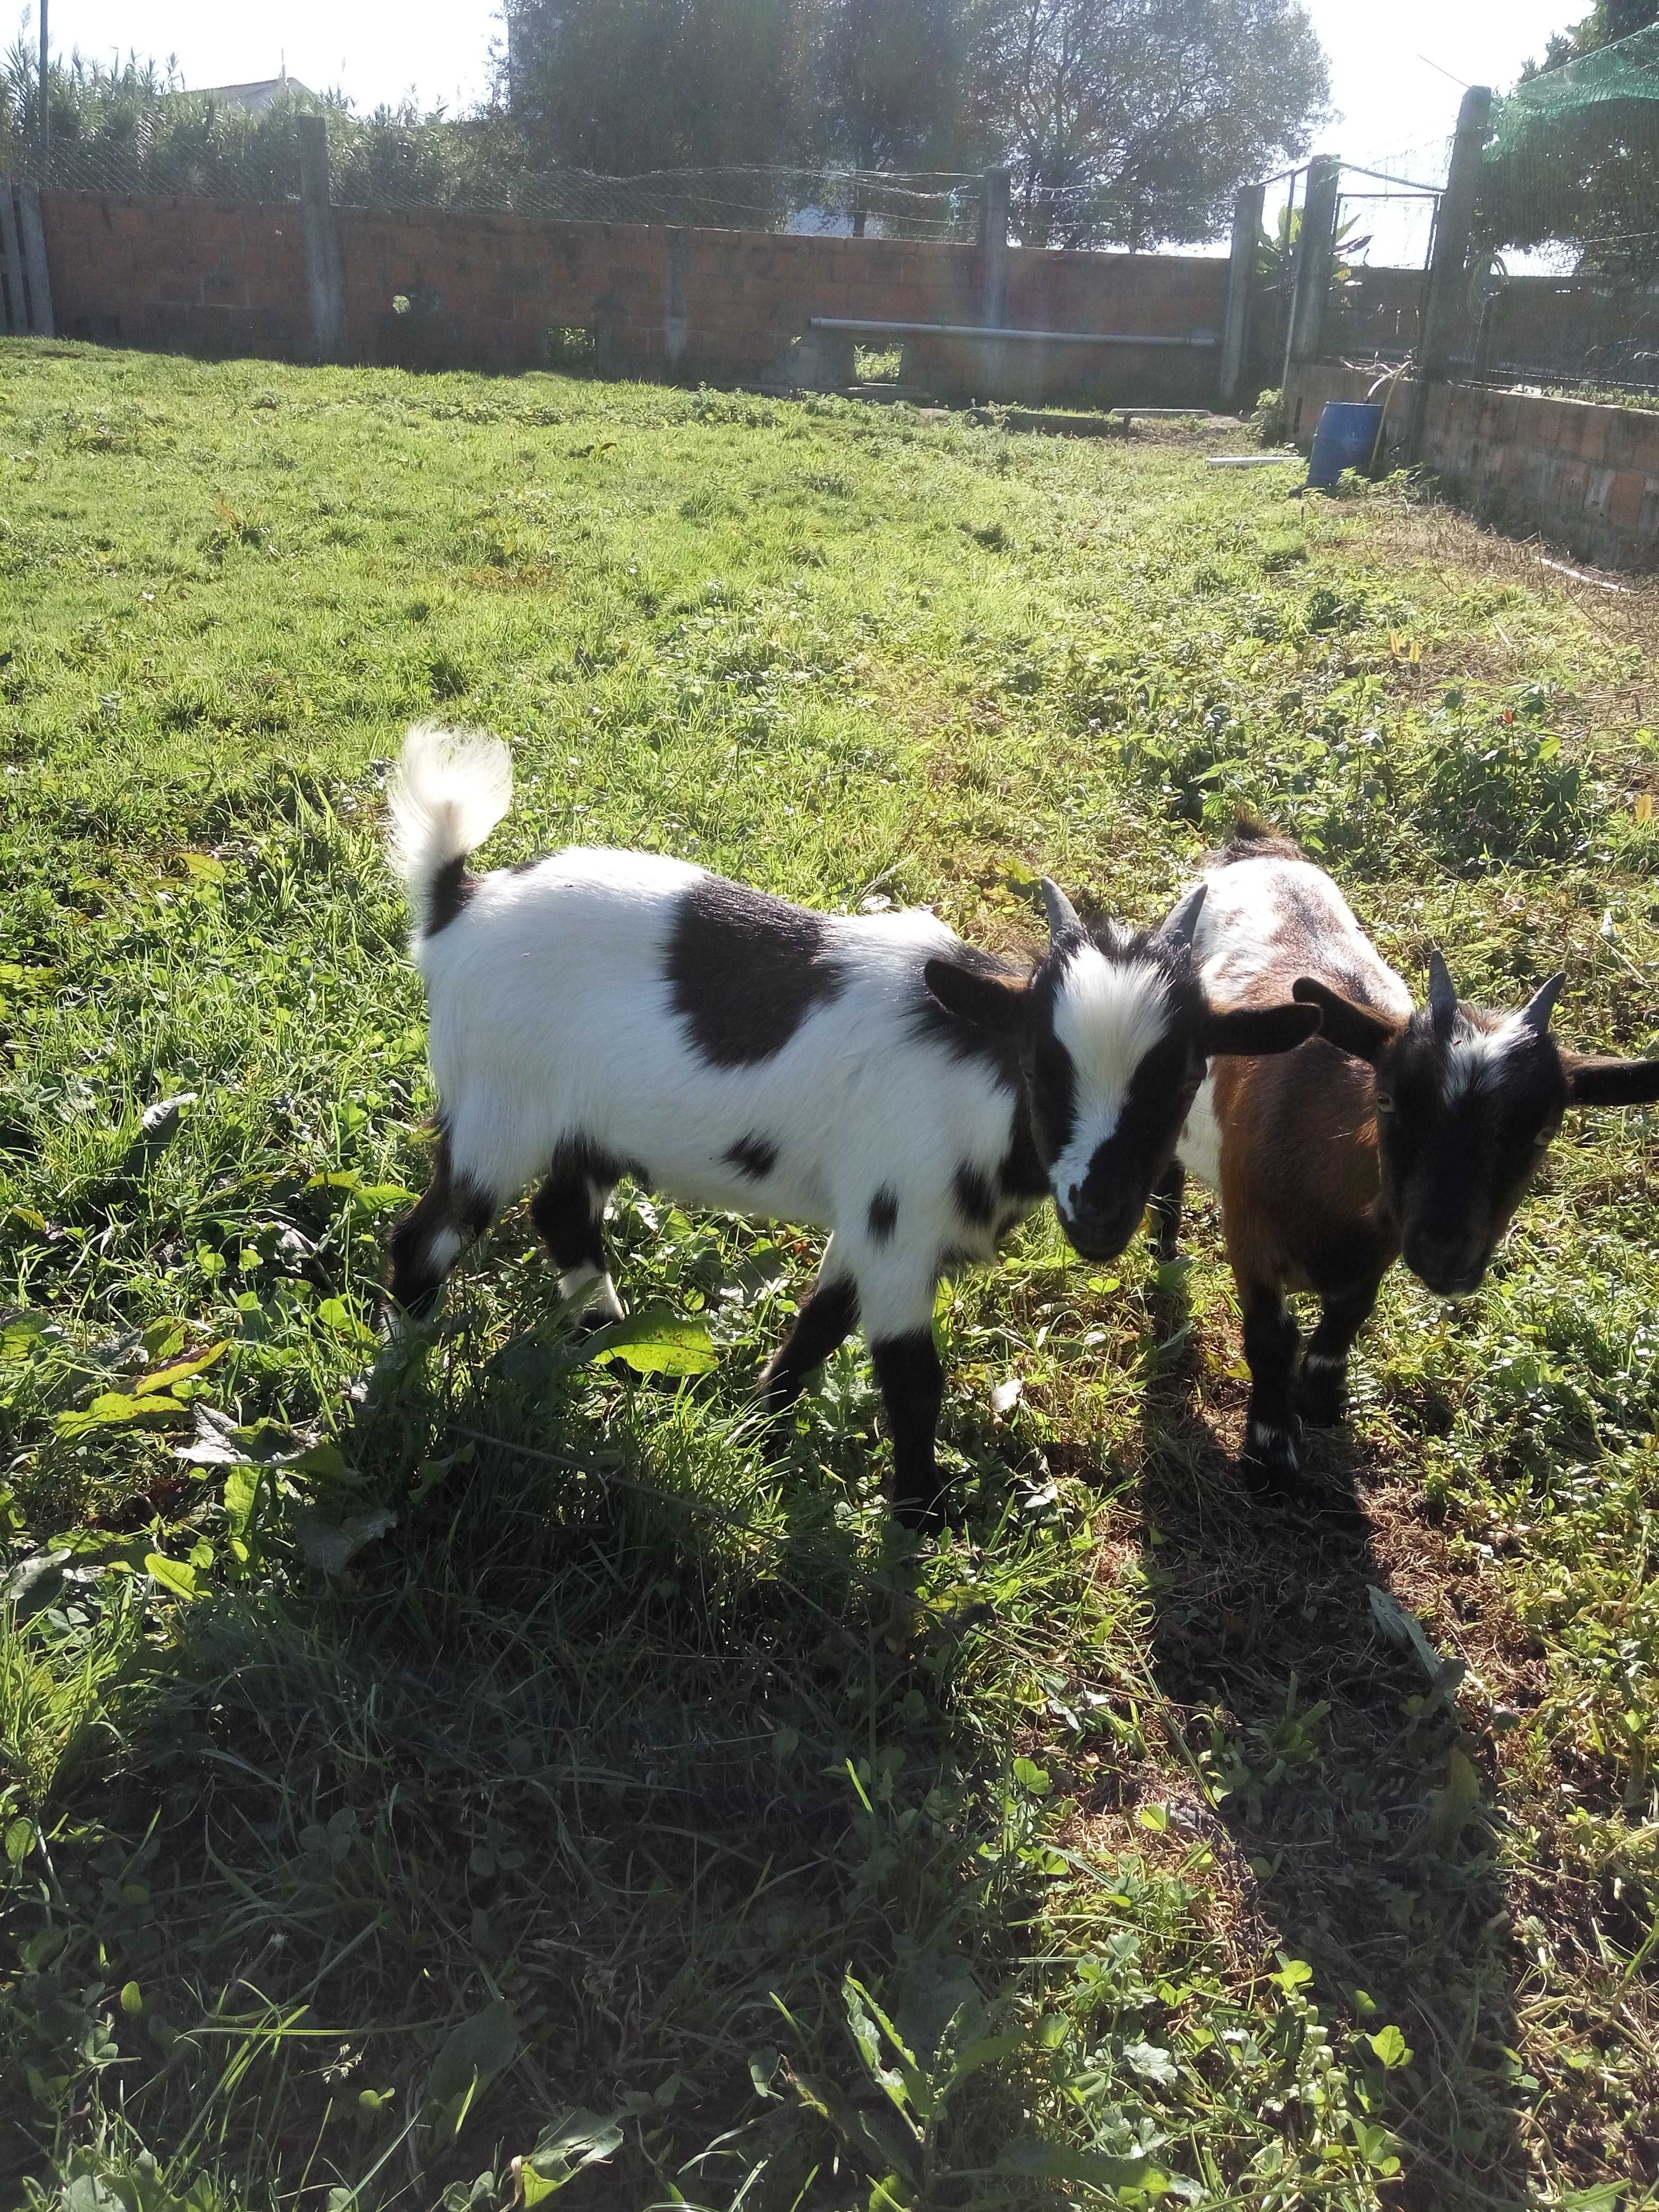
(1385, 1101)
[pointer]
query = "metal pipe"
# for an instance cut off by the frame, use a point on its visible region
(984, 330)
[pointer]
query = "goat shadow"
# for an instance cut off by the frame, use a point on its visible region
(1337, 1754)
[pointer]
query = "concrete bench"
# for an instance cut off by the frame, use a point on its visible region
(965, 361)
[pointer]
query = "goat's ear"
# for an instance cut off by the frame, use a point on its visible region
(1360, 1032)
(1254, 1032)
(985, 1001)
(1593, 1082)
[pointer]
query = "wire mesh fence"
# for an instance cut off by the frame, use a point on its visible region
(199, 148)
(1564, 279)
(449, 166)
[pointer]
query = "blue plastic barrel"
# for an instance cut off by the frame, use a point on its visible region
(1345, 439)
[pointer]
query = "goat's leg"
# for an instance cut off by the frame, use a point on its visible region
(1164, 1207)
(568, 1210)
(433, 1235)
(912, 1380)
(1271, 1341)
(1321, 1396)
(827, 1318)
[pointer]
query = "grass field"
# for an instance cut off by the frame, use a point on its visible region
(512, 1777)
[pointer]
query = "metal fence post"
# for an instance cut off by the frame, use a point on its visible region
(1454, 225)
(995, 193)
(1241, 293)
(1315, 254)
(325, 266)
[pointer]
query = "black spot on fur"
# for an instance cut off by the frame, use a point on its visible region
(975, 1195)
(1022, 1174)
(453, 888)
(753, 1156)
(884, 1213)
(747, 969)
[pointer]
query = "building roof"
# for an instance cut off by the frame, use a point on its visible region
(258, 97)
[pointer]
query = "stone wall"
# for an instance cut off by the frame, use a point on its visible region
(485, 291)
(1582, 474)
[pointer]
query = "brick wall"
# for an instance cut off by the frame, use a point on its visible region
(484, 290)
(178, 275)
(1582, 474)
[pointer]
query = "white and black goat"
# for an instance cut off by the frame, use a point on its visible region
(598, 1014)
(1395, 1131)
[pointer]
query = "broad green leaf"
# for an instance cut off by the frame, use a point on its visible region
(133, 1998)
(331, 1546)
(575, 2139)
(35, 1582)
(19, 1841)
(1040, 2161)
(205, 867)
(339, 1316)
(164, 1377)
(986, 2052)
(113, 1409)
(1453, 1807)
(473, 2055)
(1029, 1776)
(1391, 2047)
(378, 1197)
(1153, 2063)
(175, 1574)
(241, 1494)
(655, 1342)
(21, 1335)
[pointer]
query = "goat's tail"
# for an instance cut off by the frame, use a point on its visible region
(451, 788)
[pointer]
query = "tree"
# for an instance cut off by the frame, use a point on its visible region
(887, 81)
(1135, 121)
(1574, 160)
(1608, 21)
(625, 86)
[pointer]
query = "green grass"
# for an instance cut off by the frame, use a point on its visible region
(509, 1759)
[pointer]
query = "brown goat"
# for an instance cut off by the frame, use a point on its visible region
(1396, 1131)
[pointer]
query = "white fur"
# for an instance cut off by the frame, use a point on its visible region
(552, 1018)
(1109, 1014)
(1264, 923)
(1476, 1056)
(451, 788)
(603, 1298)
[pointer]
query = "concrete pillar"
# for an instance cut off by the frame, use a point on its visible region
(1314, 259)
(677, 323)
(1443, 303)
(324, 264)
(1241, 296)
(995, 193)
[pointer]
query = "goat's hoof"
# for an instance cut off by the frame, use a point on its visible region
(1270, 1461)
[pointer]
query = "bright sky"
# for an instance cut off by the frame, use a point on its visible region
(377, 50)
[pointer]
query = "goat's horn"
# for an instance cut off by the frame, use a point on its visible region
(1442, 994)
(1536, 1015)
(1062, 915)
(1184, 919)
